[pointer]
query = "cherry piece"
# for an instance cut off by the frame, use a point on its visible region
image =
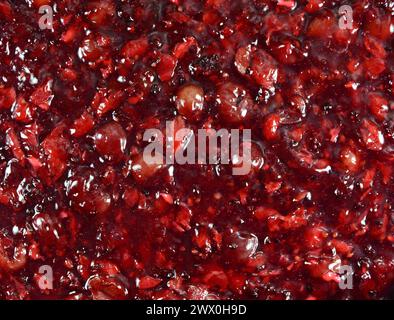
(190, 101)
(110, 141)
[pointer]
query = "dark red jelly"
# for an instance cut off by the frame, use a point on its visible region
(78, 201)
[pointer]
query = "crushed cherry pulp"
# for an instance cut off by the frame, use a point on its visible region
(77, 196)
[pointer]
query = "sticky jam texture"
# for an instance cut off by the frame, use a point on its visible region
(77, 196)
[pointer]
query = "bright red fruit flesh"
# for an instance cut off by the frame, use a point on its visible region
(76, 195)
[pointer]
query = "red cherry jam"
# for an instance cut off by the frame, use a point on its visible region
(77, 197)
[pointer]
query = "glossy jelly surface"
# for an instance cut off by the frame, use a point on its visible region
(77, 198)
